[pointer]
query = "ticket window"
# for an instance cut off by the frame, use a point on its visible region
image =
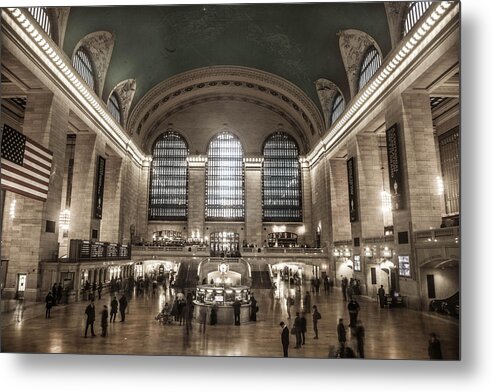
(21, 285)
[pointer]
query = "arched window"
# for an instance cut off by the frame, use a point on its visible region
(415, 11)
(337, 107)
(168, 191)
(41, 16)
(83, 65)
(225, 179)
(370, 64)
(281, 180)
(114, 107)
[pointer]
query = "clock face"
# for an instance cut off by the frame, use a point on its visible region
(223, 268)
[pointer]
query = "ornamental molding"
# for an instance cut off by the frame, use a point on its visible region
(125, 90)
(156, 128)
(353, 46)
(230, 80)
(395, 13)
(327, 90)
(100, 45)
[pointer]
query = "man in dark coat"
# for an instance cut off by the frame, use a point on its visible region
(434, 349)
(342, 336)
(344, 288)
(237, 312)
(298, 329)
(360, 335)
(114, 310)
(285, 338)
(303, 328)
(123, 305)
(252, 315)
(353, 308)
(54, 292)
(104, 321)
(59, 293)
(99, 289)
(90, 311)
(49, 304)
(316, 317)
(382, 297)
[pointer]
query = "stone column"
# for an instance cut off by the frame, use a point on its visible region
(253, 205)
(307, 204)
(46, 122)
(321, 203)
(111, 216)
(422, 209)
(370, 224)
(196, 195)
(87, 149)
(143, 202)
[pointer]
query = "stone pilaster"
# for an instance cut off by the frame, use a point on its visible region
(46, 122)
(196, 192)
(111, 217)
(253, 207)
(306, 203)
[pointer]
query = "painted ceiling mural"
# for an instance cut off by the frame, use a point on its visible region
(298, 42)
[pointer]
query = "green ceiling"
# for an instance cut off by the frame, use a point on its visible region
(295, 41)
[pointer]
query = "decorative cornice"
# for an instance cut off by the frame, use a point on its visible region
(353, 46)
(20, 28)
(407, 52)
(100, 46)
(247, 80)
(155, 128)
(327, 90)
(125, 91)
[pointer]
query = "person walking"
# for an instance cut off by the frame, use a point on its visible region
(342, 335)
(237, 312)
(59, 293)
(382, 297)
(114, 310)
(90, 311)
(123, 305)
(284, 333)
(99, 289)
(213, 314)
(49, 305)
(289, 302)
(54, 293)
(360, 336)
(253, 308)
(303, 328)
(104, 321)
(434, 349)
(353, 309)
(307, 302)
(344, 287)
(316, 317)
(298, 329)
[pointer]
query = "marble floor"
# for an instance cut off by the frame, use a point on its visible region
(390, 333)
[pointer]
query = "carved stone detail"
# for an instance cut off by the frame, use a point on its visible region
(327, 90)
(395, 12)
(100, 47)
(193, 83)
(353, 46)
(125, 90)
(61, 17)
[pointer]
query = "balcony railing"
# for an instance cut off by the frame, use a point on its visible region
(445, 234)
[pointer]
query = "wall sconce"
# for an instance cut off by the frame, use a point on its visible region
(336, 252)
(386, 252)
(367, 252)
(346, 252)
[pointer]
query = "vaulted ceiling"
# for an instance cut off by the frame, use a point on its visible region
(298, 42)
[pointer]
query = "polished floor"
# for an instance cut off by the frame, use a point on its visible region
(390, 333)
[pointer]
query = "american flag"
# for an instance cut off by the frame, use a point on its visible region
(26, 165)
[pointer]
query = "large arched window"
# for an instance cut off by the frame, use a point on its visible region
(281, 180)
(225, 179)
(168, 193)
(370, 64)
(83, 65)
(42, 17)
(415, 11)
(337, 107)
(114, 107)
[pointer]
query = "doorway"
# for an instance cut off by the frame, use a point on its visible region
(21, 286)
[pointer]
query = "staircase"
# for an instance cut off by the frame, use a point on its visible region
(260, 279)
(186, 275)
